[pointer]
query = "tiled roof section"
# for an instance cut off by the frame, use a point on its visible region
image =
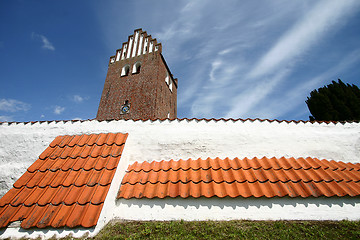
(265, 177)
(66, 185)
(187, 119)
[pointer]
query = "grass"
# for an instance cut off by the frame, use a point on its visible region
(231, 230)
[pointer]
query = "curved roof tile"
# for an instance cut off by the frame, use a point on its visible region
(67, 185)
(274, 177)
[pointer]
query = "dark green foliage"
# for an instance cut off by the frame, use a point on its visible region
(335, 102)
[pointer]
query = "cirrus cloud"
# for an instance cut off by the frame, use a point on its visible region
(12, 105)
(45, 41)
(58, 110)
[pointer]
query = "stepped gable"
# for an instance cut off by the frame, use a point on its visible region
(67, 185)
(138, 44)
(265, 177)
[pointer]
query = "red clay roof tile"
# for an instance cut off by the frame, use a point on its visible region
(302, 177)
(7, 212)
(92, 213)
(59, 220)
(60, 195)
(21, 213)
(91, 162)
(67, 185)
(48, 195)
(22, 196)
(36, 165)
(94, 178)
(79, 140)
(106, 177)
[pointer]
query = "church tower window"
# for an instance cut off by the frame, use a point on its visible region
(125, 70)
(136, 67)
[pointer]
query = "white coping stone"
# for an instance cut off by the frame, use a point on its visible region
(21, 144)
(130, 45)
(145, 44)
(118, 55)
(135, 44)
(151, 47)
(140, 44)
(124, 52)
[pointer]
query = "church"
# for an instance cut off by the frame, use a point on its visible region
(138, 161)
(139, 83)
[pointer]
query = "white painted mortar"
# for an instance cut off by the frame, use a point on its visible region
(21, 144)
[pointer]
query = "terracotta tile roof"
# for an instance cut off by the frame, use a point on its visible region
(66, 185)
(186, 119)
(265, 177)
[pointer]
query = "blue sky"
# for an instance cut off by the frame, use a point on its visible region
(233, 59)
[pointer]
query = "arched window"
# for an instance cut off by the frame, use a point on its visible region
(125, 70)
(136, 67)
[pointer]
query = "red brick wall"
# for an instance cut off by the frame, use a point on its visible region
(147, 91)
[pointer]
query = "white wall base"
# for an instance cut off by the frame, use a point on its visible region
(192, 209)
(17, 233)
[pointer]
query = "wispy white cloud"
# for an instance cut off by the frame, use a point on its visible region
(45, 41)
(245, 103)
(280, 61)
(303, 35)
(78, 99)
(12, 105)
(215, 66)
(58, 110)
(6, 118)
(210, 82)
(293, 99)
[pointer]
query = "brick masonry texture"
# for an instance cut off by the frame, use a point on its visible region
(147, 92)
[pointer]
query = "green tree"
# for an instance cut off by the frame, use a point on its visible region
(335, 102)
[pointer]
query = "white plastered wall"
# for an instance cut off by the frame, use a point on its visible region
(21, 144)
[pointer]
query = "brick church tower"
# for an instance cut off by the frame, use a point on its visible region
(139, 84)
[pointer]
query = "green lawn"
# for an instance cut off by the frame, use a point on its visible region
(232, 230)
